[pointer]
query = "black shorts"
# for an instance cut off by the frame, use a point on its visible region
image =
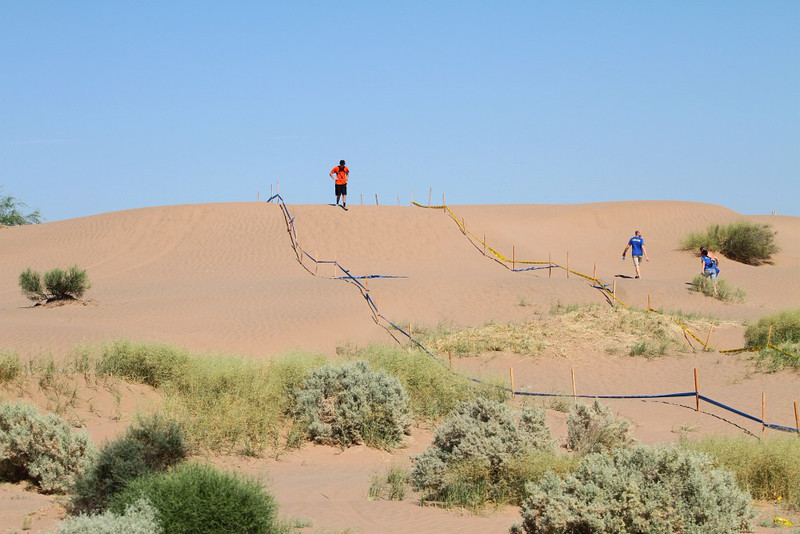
(341, 189)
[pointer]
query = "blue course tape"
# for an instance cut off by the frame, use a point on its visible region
(533, 268)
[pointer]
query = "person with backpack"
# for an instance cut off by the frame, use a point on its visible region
(636, 244)
(709, 266)
(340, 174)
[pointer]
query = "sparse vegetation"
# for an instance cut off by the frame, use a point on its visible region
(151, 445)
(768, 469)
(741, 241)
(647, 490)
(482, 453)
(785, 336)
(350, 404)
(11, 214)
(56, 284)
(198, 498)
(42, 449)
(10, 366)
(596, 429)
(391, 485)
(433, 390)
(721, 290)
(140, 517)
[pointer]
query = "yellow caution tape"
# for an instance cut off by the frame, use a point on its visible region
(782, 522)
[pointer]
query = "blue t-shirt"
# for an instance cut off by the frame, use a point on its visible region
(709, 264)
(636, 244)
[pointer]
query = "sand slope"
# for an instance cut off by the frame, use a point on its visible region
(223, 278)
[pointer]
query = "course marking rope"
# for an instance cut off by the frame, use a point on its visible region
(377, 316)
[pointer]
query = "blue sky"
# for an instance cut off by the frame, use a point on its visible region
(107, 106)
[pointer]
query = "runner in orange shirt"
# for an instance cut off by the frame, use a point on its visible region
(339, 174)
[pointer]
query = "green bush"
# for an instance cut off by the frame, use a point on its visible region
(151, 445)
(42, 449)
(769, 469)
(721, 290)
(785, 329)
(595, 429)
(57, 285)
(349, 404)
(10, 366)
(741, 241)
(644, 490)
(139, 517)
(146, 363)
(196, 499)
(10, 214)
(433, 390)
(477, 453)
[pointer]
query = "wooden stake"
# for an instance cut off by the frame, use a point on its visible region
(696, 391)
(549, 265)
(710, 329)
(614, 290)
(484, 244)
(316, 262)
(411, 330)
(594, 272)
(258, 196)
(376, 199)
(362, 198)
(430, 192)
(464, 225)
(796, 417)
(769, 336)
(648, 302)
(574, 391)
(366, 283)
(568, 264)
(513, 257)
(443, 201)
(511, 375)
(450, 359)
(763, 413)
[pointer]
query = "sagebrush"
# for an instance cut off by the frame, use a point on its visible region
(596, 429)
(350, 404)
(41, 448)
(56, 284)
(645, 490)
(478, 453)
(140, 517)
(10, 366)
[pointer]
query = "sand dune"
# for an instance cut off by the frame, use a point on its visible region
(223, 278)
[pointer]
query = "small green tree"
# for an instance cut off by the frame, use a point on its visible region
(56, 284)
(10, 214)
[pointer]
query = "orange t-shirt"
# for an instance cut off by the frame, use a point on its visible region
(341, 174)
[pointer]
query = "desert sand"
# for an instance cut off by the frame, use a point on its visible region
(224, 278)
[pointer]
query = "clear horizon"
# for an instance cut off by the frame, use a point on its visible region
(112, 106)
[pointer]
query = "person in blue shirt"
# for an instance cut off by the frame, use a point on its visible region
(709, 267)
(636, 244)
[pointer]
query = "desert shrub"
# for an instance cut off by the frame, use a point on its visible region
(11, 215)
(477, 453)
(198, 498)
(56, 284)
(350, 404)
(646, 490)
(147, 363)
(10, 366)
(391, 485)
(433, 390)
(528, 339)
(785, 329)
(151, 445)
(724, 290)
(42, 449)
(595, 429)
(769, 469)
(741, 241)
(140, 517)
